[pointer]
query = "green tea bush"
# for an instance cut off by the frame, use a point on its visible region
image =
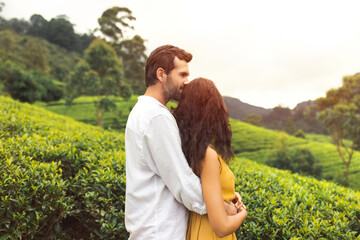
(59, 179)
(282, 205)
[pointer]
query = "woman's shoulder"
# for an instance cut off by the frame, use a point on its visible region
(211, 156)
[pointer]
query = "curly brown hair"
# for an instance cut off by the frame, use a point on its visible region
(203, 119)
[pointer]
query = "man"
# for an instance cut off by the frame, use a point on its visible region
(160, 185)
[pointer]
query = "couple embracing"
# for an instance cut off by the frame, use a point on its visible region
(178, 184)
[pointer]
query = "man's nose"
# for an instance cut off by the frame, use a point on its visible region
(186, 82)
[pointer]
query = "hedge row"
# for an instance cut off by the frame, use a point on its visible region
(282, 205)
(58, 178)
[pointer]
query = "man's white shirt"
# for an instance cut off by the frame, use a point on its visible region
(160, 185)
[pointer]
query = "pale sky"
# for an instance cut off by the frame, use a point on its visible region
(265, 53)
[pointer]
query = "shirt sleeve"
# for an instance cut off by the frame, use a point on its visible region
(163, 139)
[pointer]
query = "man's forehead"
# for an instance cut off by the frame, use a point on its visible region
(178, 63)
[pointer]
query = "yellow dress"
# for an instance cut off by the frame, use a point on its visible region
(199, 226)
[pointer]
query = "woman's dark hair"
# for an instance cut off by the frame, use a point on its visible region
(163, 57)
(203, 119)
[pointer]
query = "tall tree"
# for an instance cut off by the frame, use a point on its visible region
(61, 32)
(340, 113)
(82, 81)
(102, 60)
(19, 26)
(132, 52)
(2, 5)
(115, 21)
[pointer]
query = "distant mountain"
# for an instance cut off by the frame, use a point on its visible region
(304, 104)
(238, 109)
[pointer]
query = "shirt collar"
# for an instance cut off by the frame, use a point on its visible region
(151, 99)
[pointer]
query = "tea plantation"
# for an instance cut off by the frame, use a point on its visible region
(255, 143)
(61, 179)
(249, 141)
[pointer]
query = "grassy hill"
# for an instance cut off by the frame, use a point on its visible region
(83, 109)
(255, 143)
(32, 53)
(62, 179)
(249, 141)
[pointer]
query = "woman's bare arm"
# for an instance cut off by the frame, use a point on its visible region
(221, 223)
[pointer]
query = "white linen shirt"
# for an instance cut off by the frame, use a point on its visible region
(160, 185)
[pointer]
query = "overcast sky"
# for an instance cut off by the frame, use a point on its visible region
(262, 52)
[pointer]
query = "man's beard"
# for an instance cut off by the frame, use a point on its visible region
(171, 91)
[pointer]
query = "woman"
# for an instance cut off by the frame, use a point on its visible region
(205, 132)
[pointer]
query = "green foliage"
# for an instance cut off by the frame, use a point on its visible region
(253, 118)
(31, 53)
(58, 177)
(59, 31)
(101, 75)
(281, 205)
(82, 81)
(340, 113)
(132, 52)
(83, 109)
(66, 180)
(300, 134)
(28, 86)
(255, 143)
(297, 160)
(280, 118)
(111, 19)
(1, 6)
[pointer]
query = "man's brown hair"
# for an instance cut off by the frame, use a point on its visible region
(163, 57)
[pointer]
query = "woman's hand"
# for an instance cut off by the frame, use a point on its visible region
(230, 208)
(238, 202)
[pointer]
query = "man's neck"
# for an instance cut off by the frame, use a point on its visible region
(156, 92)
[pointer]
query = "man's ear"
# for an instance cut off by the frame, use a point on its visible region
(161, 75)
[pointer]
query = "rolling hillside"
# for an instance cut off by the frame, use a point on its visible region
(249, 141)
(34, 53)
(63, 179)
(255, 143)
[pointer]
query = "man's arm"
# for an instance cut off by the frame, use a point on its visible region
(162, 138)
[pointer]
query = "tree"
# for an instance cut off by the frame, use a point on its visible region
(253, 118)
(100, 75)
(20, 84)
(38, 26)
(36, 55)
(114, 26)
(2, 5)
(297, 160)
(114, 23)
(132, 52)
(340, 113)
(28, 86)
(280, 118)
(61, 32)
(82, 81)
(7, 41)
(19, 26)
